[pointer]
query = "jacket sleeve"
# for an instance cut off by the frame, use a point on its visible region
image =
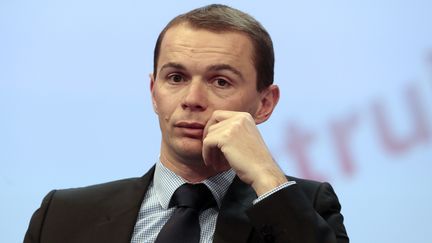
(289, 215)
(34, 230)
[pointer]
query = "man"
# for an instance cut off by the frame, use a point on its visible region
(211, 85)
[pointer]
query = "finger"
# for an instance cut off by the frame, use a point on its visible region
(210, 150)
(213, 156)
(218, 116)
(218, 127)
(214, 118)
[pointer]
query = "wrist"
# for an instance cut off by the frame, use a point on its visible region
(266, 183)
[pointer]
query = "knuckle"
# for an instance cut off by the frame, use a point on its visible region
(245, 116)
(206, 141)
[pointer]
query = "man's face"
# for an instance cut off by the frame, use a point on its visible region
(198, 72)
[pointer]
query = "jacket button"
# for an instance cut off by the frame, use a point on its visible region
(267, 233)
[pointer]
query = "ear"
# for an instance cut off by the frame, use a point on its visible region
(152, 92)
(269, 98)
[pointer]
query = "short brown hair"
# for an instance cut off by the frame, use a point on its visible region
(221, 18)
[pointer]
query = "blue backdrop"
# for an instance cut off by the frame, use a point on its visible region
(355, 78)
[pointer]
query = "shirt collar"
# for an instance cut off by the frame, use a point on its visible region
(166, 182)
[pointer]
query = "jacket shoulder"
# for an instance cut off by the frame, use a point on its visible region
(98, 190)
(105, 192)
(312, 189)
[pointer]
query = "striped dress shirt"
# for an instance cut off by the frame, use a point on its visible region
(154, 211)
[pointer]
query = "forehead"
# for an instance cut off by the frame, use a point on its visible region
(192, 44)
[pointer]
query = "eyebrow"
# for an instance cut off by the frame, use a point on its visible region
(216, 67)
(220, 67)
(172, 65)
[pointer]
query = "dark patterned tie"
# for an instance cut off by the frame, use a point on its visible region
(183, 226)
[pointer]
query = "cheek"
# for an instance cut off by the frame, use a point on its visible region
(241, 102)
(161, 103)
(166, 108)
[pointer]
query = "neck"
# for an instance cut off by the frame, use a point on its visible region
(193, 170)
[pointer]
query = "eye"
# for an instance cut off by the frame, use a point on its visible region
(176, 78)
(222, 83)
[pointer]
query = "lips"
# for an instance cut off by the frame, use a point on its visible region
(190, 129)
(193, 125)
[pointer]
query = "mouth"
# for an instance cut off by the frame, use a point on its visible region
(191, 129)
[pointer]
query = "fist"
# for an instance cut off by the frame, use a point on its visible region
(231, 139)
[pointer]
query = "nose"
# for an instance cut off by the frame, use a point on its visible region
(195, 98)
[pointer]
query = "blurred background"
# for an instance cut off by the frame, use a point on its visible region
(356, 87)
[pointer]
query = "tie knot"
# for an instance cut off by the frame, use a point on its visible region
(196, 196)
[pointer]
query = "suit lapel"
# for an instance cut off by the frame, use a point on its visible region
(233, 225)
(117, 224)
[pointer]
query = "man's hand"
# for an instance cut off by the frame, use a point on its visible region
(231, 139)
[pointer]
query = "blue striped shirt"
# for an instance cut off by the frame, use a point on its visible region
(154, 212)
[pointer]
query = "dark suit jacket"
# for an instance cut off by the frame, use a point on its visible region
(308, 212)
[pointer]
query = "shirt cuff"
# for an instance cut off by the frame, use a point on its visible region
(280, 187)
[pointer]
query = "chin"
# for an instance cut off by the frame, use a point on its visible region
(190, 149)
(190, 154)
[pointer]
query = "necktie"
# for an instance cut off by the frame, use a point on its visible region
(183, 226)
